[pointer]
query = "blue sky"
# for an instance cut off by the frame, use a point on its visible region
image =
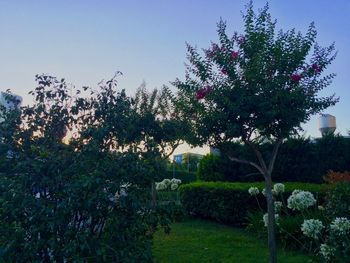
(87, 41)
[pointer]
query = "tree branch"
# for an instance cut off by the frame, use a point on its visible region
(274, 155)
(173, 148)
(247, 162)
(258, 155)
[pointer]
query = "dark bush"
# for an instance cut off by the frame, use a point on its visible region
(299, 160)
(230, 202)
(338, 201)
(85, 201)
(209, 169)
(184, 176)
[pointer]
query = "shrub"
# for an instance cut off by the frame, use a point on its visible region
(336, 177)
(209, 169)
(230, 202)
(79, 202)
(338, 201)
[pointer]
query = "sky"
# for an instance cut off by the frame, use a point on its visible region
(86, 41)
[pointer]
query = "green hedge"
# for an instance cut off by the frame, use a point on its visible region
(230, 202)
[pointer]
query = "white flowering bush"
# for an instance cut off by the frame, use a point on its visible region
(336, 247)
(301, 200)
(278, 188)
(278, 206)
(312, 228)
(340, 226)
(168, 184)
(307, 223)
(253, 191)
(326, 252)
(266, 219)
(173, 187)
(161, 186)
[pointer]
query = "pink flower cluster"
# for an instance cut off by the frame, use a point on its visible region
(316, 68)
(297, 77)
(202, 93)
(234, 54)
(241, 40)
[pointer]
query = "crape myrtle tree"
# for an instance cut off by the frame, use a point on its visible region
(73, 186)
(254, 87)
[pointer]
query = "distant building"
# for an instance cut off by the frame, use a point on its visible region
(184, 157)
(188, 161)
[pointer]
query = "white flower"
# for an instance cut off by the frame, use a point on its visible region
(253, 191)
(278, 188)
(300, 200)
(326, 251)
(167, 182)
(175, 181)
(278, 206)
(266, 219)
(174, 186)
(161, 186)
(340, 226)
(272, 190)
(312, 228)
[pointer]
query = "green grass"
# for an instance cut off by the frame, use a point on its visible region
(202, 241)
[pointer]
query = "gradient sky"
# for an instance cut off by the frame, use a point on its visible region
(87, 41)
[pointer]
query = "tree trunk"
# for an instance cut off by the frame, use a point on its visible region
(154, 194)
(271, 219)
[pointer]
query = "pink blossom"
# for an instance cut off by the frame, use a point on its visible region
(202, 93)
(208, 53)
(296, 77)
(316, 67)
(234, 54)
(241, 40)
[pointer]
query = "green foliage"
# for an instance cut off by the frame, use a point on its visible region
(257, 84)
(223, 201)
(209, 169)
(184, 176)
(83, 201)
(338, 201)
(299, 159)
(161, 129)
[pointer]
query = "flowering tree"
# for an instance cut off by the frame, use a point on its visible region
(253, 87)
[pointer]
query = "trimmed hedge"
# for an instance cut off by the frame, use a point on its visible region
(230, 202)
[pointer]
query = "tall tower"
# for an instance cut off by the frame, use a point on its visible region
(326, 124)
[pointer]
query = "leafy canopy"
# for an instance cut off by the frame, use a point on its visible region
(84, 201)
(257, 84)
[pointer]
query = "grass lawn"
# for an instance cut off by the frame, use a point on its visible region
(203, 241)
